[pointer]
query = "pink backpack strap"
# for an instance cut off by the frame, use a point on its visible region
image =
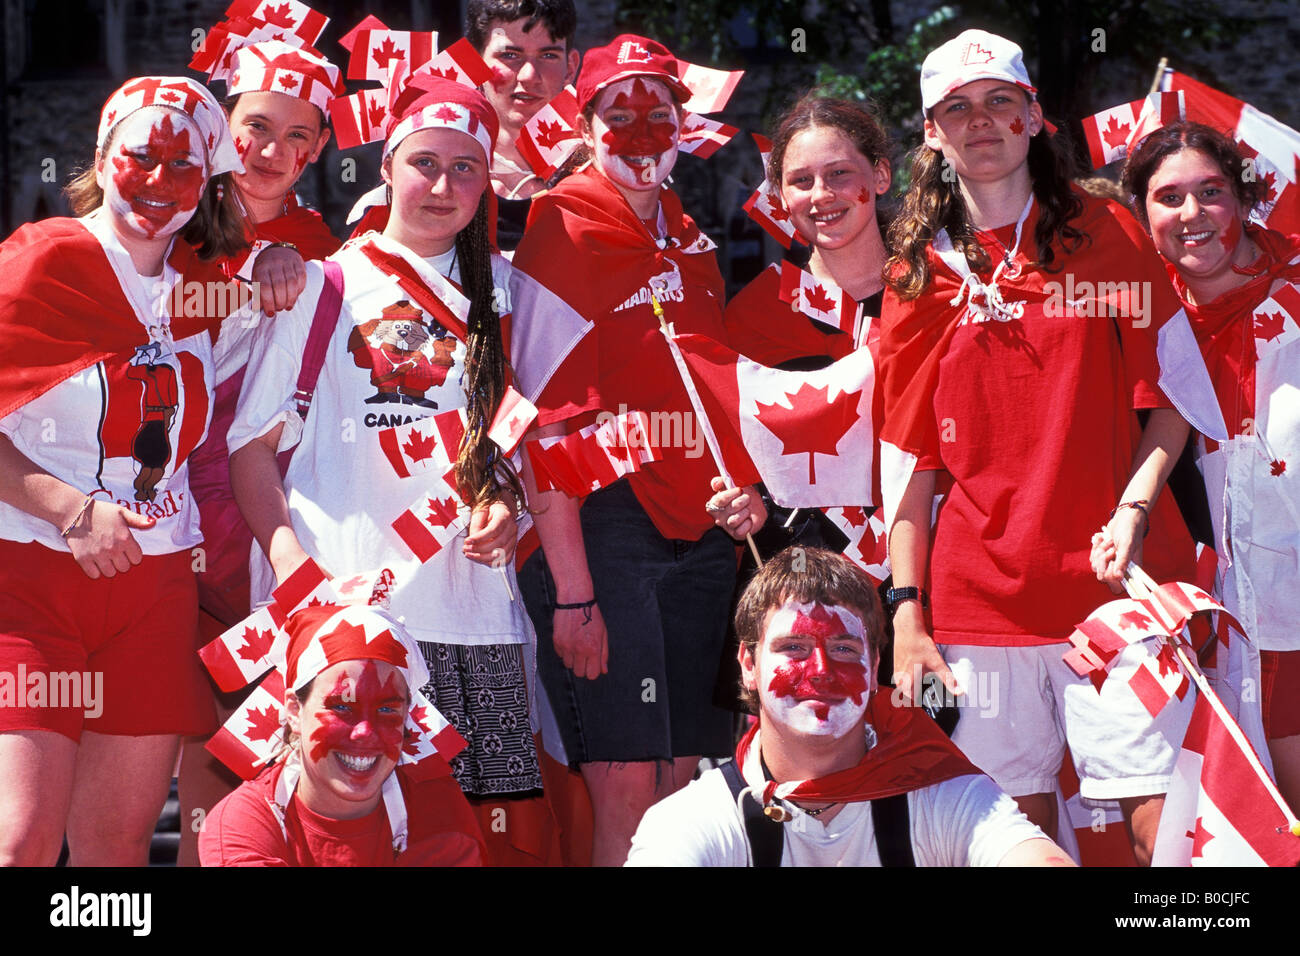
(323, 322)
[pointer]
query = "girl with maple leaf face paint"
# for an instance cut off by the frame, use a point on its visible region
(1021, 407)
(429, 282)
(106, 389)
(1240, 285)
(631, 594)
(277, 95)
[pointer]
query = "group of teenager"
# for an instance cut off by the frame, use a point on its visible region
(133, 434)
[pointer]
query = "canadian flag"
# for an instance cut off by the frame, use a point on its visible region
(1113, 132)
(819, 299)
(217, 55)
(549, 138)
(371, 22)
(811, 435)
(374, 52)
(298, 18)
(427, 444)
(764, 206)
(1154, 678)
(252, 736)
(868, 544)
(429, 733)
(434, 519)
(710, 89)
(1273, 147)
(359, 119)
(514, 415)
(459, 63)
(593, 457)
(702, 137)
(1218, 812)
(307, 586)
(244, 652)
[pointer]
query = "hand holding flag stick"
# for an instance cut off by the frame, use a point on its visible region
(1172, 618)
(701, 418)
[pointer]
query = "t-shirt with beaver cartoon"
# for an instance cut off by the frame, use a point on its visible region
(388, 362)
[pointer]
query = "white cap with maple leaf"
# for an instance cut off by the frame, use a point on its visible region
(970, 56)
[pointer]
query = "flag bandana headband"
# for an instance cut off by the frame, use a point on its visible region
(311, 624)
(185, 96)
(970, 56)
(277, 67)
(435, 114)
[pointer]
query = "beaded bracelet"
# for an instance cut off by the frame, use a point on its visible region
(1139, 505)
(81, 513)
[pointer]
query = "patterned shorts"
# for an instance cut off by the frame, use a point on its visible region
(481, 689)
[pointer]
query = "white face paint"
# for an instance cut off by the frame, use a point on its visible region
(814, 673)
(636, 130)
(153, 173)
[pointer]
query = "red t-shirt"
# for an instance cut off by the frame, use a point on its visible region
(1032, 423)
(242, 830)
(586, 245)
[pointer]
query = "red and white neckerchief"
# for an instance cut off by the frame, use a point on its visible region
(992, 307)
(186, 96)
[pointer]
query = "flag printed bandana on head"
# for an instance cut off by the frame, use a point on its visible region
(185, 95)
(308, 627)
(276, 67)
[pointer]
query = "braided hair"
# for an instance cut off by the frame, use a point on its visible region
(481, 469)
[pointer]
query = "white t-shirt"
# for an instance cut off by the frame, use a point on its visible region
(965, 821)
(342, 491)
(126, 424)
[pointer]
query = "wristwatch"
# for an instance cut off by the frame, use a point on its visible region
(896, 596)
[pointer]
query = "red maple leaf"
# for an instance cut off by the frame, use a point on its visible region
(277, 36)
(377, 113)
(1134, 619)
(447, 113)
(212, 141)
(855, 516)
(315, 602)
(550, 135)
(278, 16)
(777, 212)
(1276, 467)
(1165, 660)
(441, 513)
(1269, 180)
(263, 724)
(288, 82)
(1268, 327)
(1200, 836)
(814, 425)
(694, 129)
(386, 52)
(1017, 126)
(974, 53)
(169, 96)
(420, 715)
(226, 63)
(411, 744)
(109, 118)
(864, 197)
(1116, 133)
(819, 301)
(420, 447)
(256, 644)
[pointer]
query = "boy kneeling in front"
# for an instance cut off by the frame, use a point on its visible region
(843, 776)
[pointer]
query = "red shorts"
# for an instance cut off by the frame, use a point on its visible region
(1279, 672)
(114, 655)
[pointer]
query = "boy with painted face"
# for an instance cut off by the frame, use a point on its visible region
(826, 745)
(529, 46)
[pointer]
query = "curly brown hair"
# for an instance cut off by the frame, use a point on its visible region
(935, 202)
(1155, 148)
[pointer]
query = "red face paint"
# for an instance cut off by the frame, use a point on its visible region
(146, 179)
(241, 147)
(501, 80)
(641, 136)
(1018, 126)
(864, 197)
(361, 716)
(817, 675)
(1231, 234)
